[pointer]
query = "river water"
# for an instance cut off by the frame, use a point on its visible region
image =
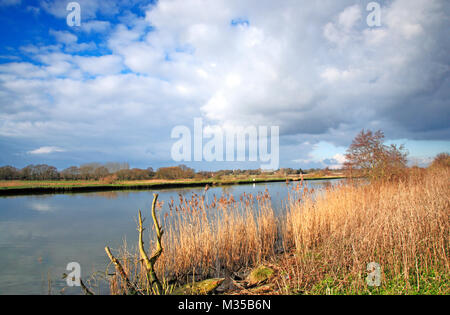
(41, 234)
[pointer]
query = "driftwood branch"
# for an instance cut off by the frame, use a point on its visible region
(149, 263)
(130, 287)
(153, 283)
(85, 288)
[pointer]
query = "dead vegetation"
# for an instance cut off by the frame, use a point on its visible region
(322, 244)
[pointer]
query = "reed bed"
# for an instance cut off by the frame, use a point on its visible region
(403, 226)
(222, 234)
(327, 238)
(205, 238)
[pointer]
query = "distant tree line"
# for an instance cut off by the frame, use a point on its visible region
(89, 171)
(122, 171)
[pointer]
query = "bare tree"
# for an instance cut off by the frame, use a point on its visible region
(370, 157)
(9, 172)
(70, 173)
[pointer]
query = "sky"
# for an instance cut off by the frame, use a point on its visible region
(113, 88)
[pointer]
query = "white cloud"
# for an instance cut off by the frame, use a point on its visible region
(70, 42)
(95, 26)
(350, 16)
(335, 161)
(332, 74)
(64, 37)
(46, 150)
(103, 65)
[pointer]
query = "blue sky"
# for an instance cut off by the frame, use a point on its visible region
(113, 88)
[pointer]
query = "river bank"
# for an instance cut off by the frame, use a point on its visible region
(9, 188)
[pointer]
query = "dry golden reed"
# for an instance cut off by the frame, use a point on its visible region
(220, 234)
(403, 226)
(328, 236)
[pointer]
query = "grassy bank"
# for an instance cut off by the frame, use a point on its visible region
(321, 246)
(17, 187)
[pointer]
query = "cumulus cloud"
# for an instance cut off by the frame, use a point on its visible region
(64, 37)
(313, 68)
(95, 26)
(102, 65)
